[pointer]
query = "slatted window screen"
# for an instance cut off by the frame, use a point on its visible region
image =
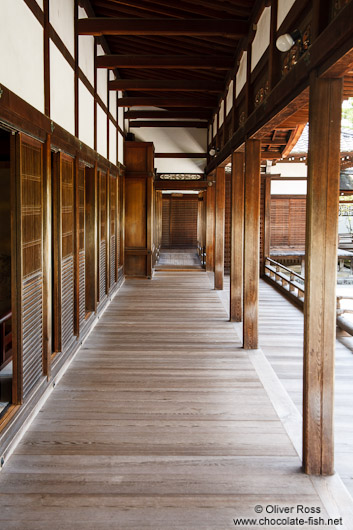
(67, 265)
(288, 222)
(102, 235)
(81, 246)
(179, 228)
(113, 211)
(31, 182)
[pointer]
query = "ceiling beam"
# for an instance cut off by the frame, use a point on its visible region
(187, 27)
(166, 123)
(170, 85)
(209, 103)
(158, 114)
(214, 62)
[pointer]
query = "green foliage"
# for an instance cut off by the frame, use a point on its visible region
(347, 113)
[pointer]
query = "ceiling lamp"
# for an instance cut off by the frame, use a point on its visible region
(285, 42)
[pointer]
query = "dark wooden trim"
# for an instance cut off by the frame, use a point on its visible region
(237, 238)
(204, 102)
(180, 184)
(61, 46)
(91, 250)
(266, 223)
(180, 155)
(169, 85)
(158, 114)
(210, 227)
(184, 27)
(36, 10)
(215, 62)
(76, 70)
(47, 258)
(95, 96)
(57, 249)
(46, 58)
(76, 248)
(193, 124)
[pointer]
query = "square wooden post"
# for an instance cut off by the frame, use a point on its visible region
(210, 227)
(251, 243)
(237, 238)
(219, 227)
(320, 274)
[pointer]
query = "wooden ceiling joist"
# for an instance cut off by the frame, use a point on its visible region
(209, 103)
(216, 62)
(158, 114)
(182, 27)
(194, 124)
(173, 85)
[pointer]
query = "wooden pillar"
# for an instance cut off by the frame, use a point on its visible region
(47, 257)
(251, 243)
(210, 227)
(91, 239)
(237, 238)
(266, 223)
(320, 274)
(219, 227)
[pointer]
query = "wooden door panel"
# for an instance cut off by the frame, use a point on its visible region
(102, 231)
(135, 213)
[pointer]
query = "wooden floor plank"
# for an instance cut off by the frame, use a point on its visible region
(160, 422)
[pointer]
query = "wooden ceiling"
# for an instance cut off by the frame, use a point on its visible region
(178, 56)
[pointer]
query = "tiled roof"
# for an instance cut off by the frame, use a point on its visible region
(346, 141)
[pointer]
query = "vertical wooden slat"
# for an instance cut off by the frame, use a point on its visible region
(91, 239)
(47, 256)
(320, 274)
(149, 199)
(210, 227)
(237, 238)
(57, 249)
(219, 228)
(76, 248)
(16, 270)
(107, 233)
(46, 57)
(251, 243)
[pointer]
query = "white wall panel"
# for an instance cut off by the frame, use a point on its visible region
(121, 113)
(229, 100)
(215, 126)
(86, 51)
(21, 52)
(62, 90)
(180, 165)
(283, 10)
(102, 79)
(241, 74)
(61, 17)
(85, 115)
(101, 132)
(262, 37)
(221, 113)
(112, 97)
(120, 148)
(173, 139)
(40, 3)
(112, 142)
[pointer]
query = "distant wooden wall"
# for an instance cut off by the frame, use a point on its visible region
(288, 222)
(179, 222)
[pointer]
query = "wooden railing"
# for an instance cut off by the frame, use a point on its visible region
(293, 284)
(5, 339)
(286, 278)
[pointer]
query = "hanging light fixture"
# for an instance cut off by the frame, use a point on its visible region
(285, 42)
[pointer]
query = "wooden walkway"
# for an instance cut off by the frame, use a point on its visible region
(161, 421)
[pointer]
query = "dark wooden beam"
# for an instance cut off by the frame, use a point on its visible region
(187, 27)
(219, 228)
(195, 124)
(237, 238)
(180, 185)
(320, 274)
(157, 114)
(214, 62)
(180, 155)
(167, 102)
(251, 244)
(169, 85)
(210, 226)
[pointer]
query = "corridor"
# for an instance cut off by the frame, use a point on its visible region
(159, 422)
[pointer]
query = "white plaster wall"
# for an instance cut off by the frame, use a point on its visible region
(40, 3)
(86, 115)
(180, 165)
(120, 148)
(121, 113)
(102, 80)
(86, 51)
(262, 37)
(215, 126)
(112, 142)
(61, 17)
(296, 187)
(173, 139)
(101, 132)
(290, 169)
(283, 10)
(112, 97)
(62, 90)
(21, 52)
(241, 74)
(229, 100)
(221, 113)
